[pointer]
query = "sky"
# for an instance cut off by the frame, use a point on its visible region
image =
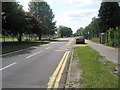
(71, 13)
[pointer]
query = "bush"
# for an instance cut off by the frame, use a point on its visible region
(113, 37)
(56, 36)
(96, 39)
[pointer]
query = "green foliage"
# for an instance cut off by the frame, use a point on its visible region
(113, 37)
(64, 31)
(17, 22)
(92, 30)
(109, 15)
(55, 36)
(14, 20)
(79, 32)
(45, 16)
(96, 39)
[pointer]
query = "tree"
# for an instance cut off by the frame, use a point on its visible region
(64, 31)
(79, 32)
(13, 19)
(45, 15)
(95, 27)
(88, 32)
(109, 14)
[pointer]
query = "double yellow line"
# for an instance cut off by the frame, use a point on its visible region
(55, 78)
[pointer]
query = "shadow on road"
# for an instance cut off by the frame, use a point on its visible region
(55, 40)
(8, 47)
(62, 40)
(19, 53)
(81, 43)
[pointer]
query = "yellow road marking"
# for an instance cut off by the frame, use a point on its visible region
(52, 78)
(61, 71)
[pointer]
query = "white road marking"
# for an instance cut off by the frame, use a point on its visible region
(59, 50)
(7, 66)
(48, 48)
(33, 54)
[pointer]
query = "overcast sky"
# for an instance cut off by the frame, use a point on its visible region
(72, 13)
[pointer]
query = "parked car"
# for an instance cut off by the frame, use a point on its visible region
(80, 39)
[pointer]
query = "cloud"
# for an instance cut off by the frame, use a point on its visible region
(83, 2)
(24, 3)
(77, 18)
(54, 2)
(83, 14)
(79, 15)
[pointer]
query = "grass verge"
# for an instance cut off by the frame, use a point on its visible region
(14, 46)
(95, 72)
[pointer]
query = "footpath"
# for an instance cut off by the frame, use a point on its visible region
(109, 52)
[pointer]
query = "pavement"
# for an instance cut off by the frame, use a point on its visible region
(34, 67)
(110, 53)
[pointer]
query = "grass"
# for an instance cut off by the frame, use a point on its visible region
(95, 73)
(97, 40)
(13, 46)
(9, 45)
(8, 39)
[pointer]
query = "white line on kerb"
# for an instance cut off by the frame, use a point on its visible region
(48, 48)
(7, 66)
(33, 54)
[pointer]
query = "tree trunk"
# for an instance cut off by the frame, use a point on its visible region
(29, 38)
(20, 37)
(40, 35)
(13, 38)
(4, 38)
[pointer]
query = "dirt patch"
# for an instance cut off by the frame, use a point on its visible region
(112, 70)
(102, 59)
(74, 76)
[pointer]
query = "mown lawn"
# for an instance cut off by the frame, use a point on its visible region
(95, 73)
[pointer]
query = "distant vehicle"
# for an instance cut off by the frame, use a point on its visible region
(80, 39)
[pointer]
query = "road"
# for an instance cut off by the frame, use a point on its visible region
(32, 68)
(109, 52)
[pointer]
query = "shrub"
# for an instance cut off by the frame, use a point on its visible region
(113, 37)
(55, 36)
(96, 39)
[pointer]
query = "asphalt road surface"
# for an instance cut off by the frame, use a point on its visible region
(109, 52)
(32, 68)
